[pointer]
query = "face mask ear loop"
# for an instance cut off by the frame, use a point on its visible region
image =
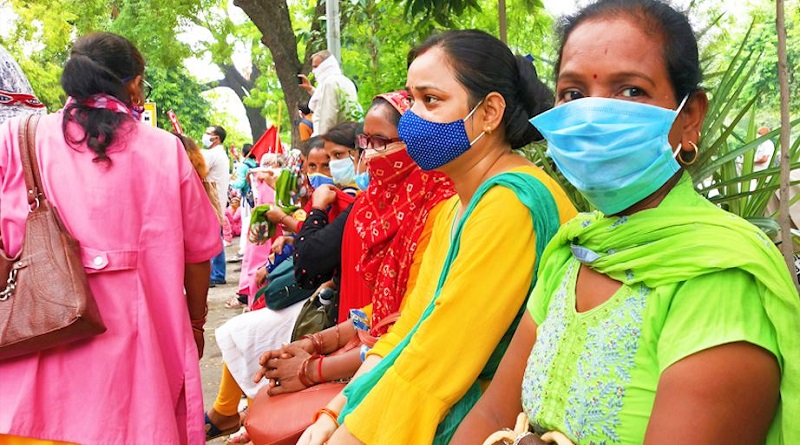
(472, 142)
(677, 151)
(677, 112)
(683, 102)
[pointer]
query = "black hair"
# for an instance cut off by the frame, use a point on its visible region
(99, 63)
(484, 64)
(343, 134)
(392, 113)
(311, 143)
(303, 107)
(219, 131)
(247, 151)
(655, 18)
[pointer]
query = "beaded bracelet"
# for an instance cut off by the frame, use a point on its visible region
(328, 412)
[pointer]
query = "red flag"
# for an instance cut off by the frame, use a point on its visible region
(269, 142)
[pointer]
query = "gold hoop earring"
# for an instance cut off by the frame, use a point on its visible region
(137, 101)
(694, 158)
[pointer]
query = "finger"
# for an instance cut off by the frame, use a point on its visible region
(294, 349)
(275, 390)
(259, 375)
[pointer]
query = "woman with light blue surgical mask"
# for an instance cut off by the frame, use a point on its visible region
(471, 100)
(659, 317)
(340, 143)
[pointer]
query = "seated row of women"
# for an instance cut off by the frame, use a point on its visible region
(621, 319)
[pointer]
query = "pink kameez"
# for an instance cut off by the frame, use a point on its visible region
(138, 220)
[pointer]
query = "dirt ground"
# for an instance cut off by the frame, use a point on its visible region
(211, 363)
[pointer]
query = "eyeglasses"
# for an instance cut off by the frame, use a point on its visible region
(147, 88)
(377, 143)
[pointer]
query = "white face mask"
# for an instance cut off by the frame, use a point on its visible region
(206, 140)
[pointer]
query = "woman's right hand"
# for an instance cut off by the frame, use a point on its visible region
(261, 276)
(324, 196)
(319, 432)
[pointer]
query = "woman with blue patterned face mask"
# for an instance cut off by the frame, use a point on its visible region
(471, 99)
(652, 314)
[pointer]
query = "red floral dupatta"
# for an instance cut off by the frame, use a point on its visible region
(389, 221)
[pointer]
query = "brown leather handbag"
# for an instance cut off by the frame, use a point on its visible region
(46, 300)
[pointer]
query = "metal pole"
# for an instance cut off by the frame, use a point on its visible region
(332, 24)
(787, 247)
(501, 7)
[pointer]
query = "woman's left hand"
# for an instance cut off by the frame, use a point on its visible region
(283, 371)
(342, 436)
(200, 341)
(275, 215)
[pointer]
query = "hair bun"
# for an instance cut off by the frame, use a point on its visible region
(533, 97)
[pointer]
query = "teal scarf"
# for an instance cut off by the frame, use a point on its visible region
(544, 213)
(686, 237)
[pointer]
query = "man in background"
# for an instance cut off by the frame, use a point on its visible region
(219, 167)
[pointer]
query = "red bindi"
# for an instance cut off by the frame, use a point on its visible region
(595, 76)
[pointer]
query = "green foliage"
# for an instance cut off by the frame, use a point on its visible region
(45, 30)
(174, 89)
(765, 78)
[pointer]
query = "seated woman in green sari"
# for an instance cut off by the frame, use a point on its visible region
(661, 318)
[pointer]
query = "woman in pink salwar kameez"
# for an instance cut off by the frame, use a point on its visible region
(147, 230)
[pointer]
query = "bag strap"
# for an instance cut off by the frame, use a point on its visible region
(30, 166)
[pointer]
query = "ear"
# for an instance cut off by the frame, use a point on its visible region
(134, 92)
(693, 113)
(494, 106)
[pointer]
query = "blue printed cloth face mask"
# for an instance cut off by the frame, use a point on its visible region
(343, 171)
(615, 152)
(317, 180)
(434, 144)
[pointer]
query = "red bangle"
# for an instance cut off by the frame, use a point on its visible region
(315, 342)
(319, 369)
(198, 323)
(302, 373)
(328, 412)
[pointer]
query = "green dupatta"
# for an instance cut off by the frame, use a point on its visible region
(686, 237)
(544, 213)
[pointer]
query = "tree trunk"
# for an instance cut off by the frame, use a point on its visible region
(272, 18)
(787, 246)
(241, 85)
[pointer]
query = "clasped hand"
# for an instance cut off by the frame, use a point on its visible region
(282, 366)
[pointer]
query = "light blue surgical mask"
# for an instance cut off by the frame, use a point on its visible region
(362, 179)
(343, 171)
(615, 152)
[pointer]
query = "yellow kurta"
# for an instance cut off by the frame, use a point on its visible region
(487, 284)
